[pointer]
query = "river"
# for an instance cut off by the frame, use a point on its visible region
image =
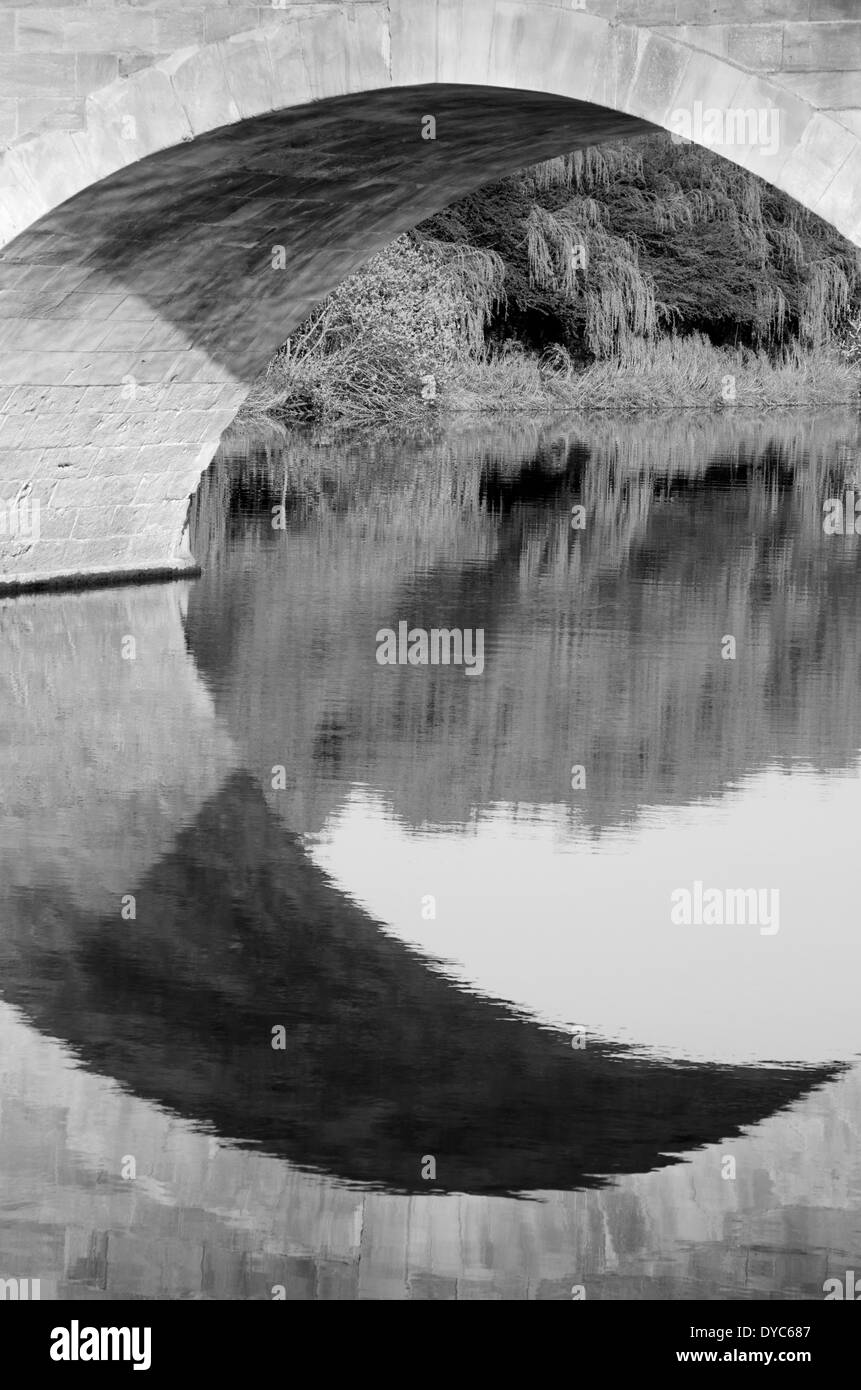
(327, 978)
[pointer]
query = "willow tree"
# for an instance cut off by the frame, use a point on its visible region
(572, 252)
(711, 247)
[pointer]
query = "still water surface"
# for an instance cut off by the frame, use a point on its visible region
(391, 864)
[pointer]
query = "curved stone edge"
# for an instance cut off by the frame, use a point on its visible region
(360, 47)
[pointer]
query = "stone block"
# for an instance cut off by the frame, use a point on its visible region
(713, 11)
(77, 492)
(221, 23)
(199, 81)
(21, 201)
(850, 120)
(55, 165)
(96, 522)
(42, 113)
(757, 46)
(70, 461)
(132, 308)
(648, 12)
(784, 120)
(19, 461)
(80, 29)
(132, 118)
(250, 77)
(36, 74)
(124, 335)
(337, 1279)
(657, 78)
(817, 158)
(835, 47)
(828, 89)
(120, 490)
(162, 458)
(119, 460)
(832, 9)
(180, 28)
(150, 366)
(414, 42)
(17, 431)
(557, 51)
(94, 71)
(325, 48)
(56, 524)
(9, 108)
(840, 203)
(613, 71)
(36, 368)
(368, 46)
(116, 429)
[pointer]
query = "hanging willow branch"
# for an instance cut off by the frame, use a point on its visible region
(571, 252)
(771, 313)
(825, 303)
(478, 284)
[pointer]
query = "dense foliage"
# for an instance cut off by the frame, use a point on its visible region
(636, 275)
(673, 237)
(384, 339)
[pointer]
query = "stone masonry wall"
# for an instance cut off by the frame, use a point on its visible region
(53, 56)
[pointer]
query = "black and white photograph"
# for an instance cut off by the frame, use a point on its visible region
(430, 670)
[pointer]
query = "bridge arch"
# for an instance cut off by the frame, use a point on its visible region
(138, 295)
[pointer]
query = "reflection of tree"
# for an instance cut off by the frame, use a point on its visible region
(603, 647)
(385, 1060)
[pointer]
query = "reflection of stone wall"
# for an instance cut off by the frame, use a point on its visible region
(587, 662)
(206, 1220)
(102, 758)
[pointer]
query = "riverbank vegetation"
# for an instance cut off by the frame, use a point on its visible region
(635, 276)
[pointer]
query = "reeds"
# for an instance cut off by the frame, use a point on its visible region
(668, 373)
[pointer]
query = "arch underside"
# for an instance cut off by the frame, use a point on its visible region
(140, 311)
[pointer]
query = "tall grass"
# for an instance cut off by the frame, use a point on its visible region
(668, 373)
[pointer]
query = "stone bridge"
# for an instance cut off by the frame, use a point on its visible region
(155, 154)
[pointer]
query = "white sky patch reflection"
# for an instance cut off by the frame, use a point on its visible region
(578, 931)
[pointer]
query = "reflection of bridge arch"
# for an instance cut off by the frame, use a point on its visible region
(138, 297)
(249, 1221)
(385, 1060)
